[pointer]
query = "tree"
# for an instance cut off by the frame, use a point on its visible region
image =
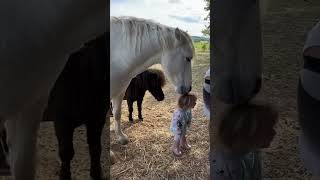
(206, 31)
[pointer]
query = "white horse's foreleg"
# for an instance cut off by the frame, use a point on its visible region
(22, 140)
(116, 103)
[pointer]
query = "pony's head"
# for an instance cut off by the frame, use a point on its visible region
(155, 81)
(176, 62)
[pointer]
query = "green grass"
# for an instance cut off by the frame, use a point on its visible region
(202, 46)
(200, 65)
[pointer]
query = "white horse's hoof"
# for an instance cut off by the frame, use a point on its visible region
(123, 140)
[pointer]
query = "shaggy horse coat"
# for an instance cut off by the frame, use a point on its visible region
(78, 97)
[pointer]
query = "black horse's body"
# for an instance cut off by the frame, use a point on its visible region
(80, 96)
(151, 80)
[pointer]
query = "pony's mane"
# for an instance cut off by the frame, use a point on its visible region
(138, 30)
(160, 74)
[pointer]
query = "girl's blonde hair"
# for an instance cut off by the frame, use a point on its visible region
(186, 100)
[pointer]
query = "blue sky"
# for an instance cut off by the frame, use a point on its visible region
(188, 15)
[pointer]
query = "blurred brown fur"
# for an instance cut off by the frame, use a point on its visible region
(247, 127)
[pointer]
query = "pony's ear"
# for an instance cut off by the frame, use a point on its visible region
(177, 32)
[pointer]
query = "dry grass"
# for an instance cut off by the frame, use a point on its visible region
(148, 155)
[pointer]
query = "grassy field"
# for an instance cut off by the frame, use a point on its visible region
(202, 46)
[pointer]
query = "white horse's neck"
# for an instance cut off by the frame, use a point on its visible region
(137, 45)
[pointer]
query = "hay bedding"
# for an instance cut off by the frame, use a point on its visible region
(148, 154)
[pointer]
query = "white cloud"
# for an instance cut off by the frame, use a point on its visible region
(174, 1)
(165, 12)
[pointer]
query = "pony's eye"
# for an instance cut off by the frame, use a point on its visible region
(188, 59)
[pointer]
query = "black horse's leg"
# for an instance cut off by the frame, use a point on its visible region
(139, 103)
(94, 132)
(4, 166)
(130, 108)
(64, 132)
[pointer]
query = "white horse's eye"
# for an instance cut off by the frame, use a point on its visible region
(188, 59)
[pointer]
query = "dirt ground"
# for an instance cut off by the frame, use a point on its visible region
(285, 28)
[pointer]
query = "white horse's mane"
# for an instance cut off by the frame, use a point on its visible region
(138, 31)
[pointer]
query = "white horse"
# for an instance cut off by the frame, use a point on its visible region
(237, 51)
(134, 45)
(237, 55)
(36, 37)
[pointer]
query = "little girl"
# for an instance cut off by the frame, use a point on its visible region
(242, 131)
(180, 121)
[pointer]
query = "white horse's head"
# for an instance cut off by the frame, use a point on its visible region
(176, 62)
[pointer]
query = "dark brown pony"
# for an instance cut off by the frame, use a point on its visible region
(78, 97)
(151, 80)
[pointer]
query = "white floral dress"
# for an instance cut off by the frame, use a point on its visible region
(181, 120)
